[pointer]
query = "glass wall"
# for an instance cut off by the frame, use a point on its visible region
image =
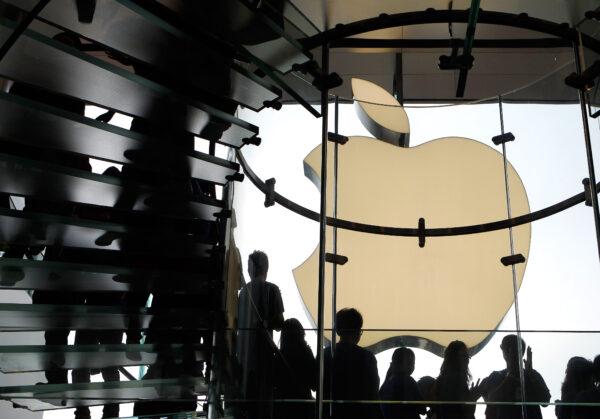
(451, 288)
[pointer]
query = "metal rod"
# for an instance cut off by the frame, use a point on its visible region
(21, 27)
(335, 249)
(468, 46)
(127, 374)
(578, 51)
(513, 268)
(322, 234)
(454, 43)
(405, 231)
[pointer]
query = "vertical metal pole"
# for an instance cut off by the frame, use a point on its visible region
(578, 51)
(334, 278)
(520, 349)
(212, 380)
(322, 233)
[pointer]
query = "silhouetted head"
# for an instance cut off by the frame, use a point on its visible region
(349, 323)
(579, 376)
(510, 349)
(112, 171)
(292, 334)
(403, 361)
(426, 385)
(258, 266)
(456, 361)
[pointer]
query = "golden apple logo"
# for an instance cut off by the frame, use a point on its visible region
(421, 297)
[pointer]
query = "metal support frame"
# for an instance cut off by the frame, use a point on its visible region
(520, 349)
(399, 79)
(21, 27)
(322, 234)
(335, 249)
(469, 37)
(578, 51)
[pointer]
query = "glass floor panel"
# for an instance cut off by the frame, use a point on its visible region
(71, 72)
(26, 177)
(120, 28)
(62, 276)
(34, 229)
(30, 358)
(32, 317)
(65, 131)
(62, 396)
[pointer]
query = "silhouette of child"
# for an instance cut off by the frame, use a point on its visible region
(400, 386)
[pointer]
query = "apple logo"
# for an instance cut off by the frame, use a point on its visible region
(405, 292)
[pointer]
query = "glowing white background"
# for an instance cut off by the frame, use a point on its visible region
(562, 280)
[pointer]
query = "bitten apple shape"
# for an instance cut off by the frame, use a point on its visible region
(406, 292)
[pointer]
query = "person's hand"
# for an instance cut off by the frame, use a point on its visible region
(475, 390)
(529, 360)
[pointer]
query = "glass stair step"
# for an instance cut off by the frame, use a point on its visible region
(32, 317)
(41, 61)
(31, 358)
(61, 396)
(33, 123)
(77, 277)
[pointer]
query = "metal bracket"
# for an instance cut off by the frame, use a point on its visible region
(274, 104)
(503, 138)
(270, 193)
(337, 138)
(236, 177)
(585, 80)
(592, 14)
(252, 141)
(226, 213)
(458, 62)
(421, 228)
(336, 259)
(86, 10)
(588, 191)
(512, 259)
(327, 82)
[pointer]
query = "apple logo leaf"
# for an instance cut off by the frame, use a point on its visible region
(420, 297)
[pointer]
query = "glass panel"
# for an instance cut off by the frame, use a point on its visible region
(29, 317)
(66, 131)
(60, 396)
(71, 72)
(15, 359)
(34, 229)
(61, 276)
(562, 266)
(58, 183)
(120, 27)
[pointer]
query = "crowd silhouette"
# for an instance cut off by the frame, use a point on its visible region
(351, 389)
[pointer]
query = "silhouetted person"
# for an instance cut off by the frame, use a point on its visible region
(591, 396)
(426, 385)
(260, 311)
(505, 385)
(452, 385)
(296, 373)
(400, 386)
(103, 337)
(353, 370)
(579, 377)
